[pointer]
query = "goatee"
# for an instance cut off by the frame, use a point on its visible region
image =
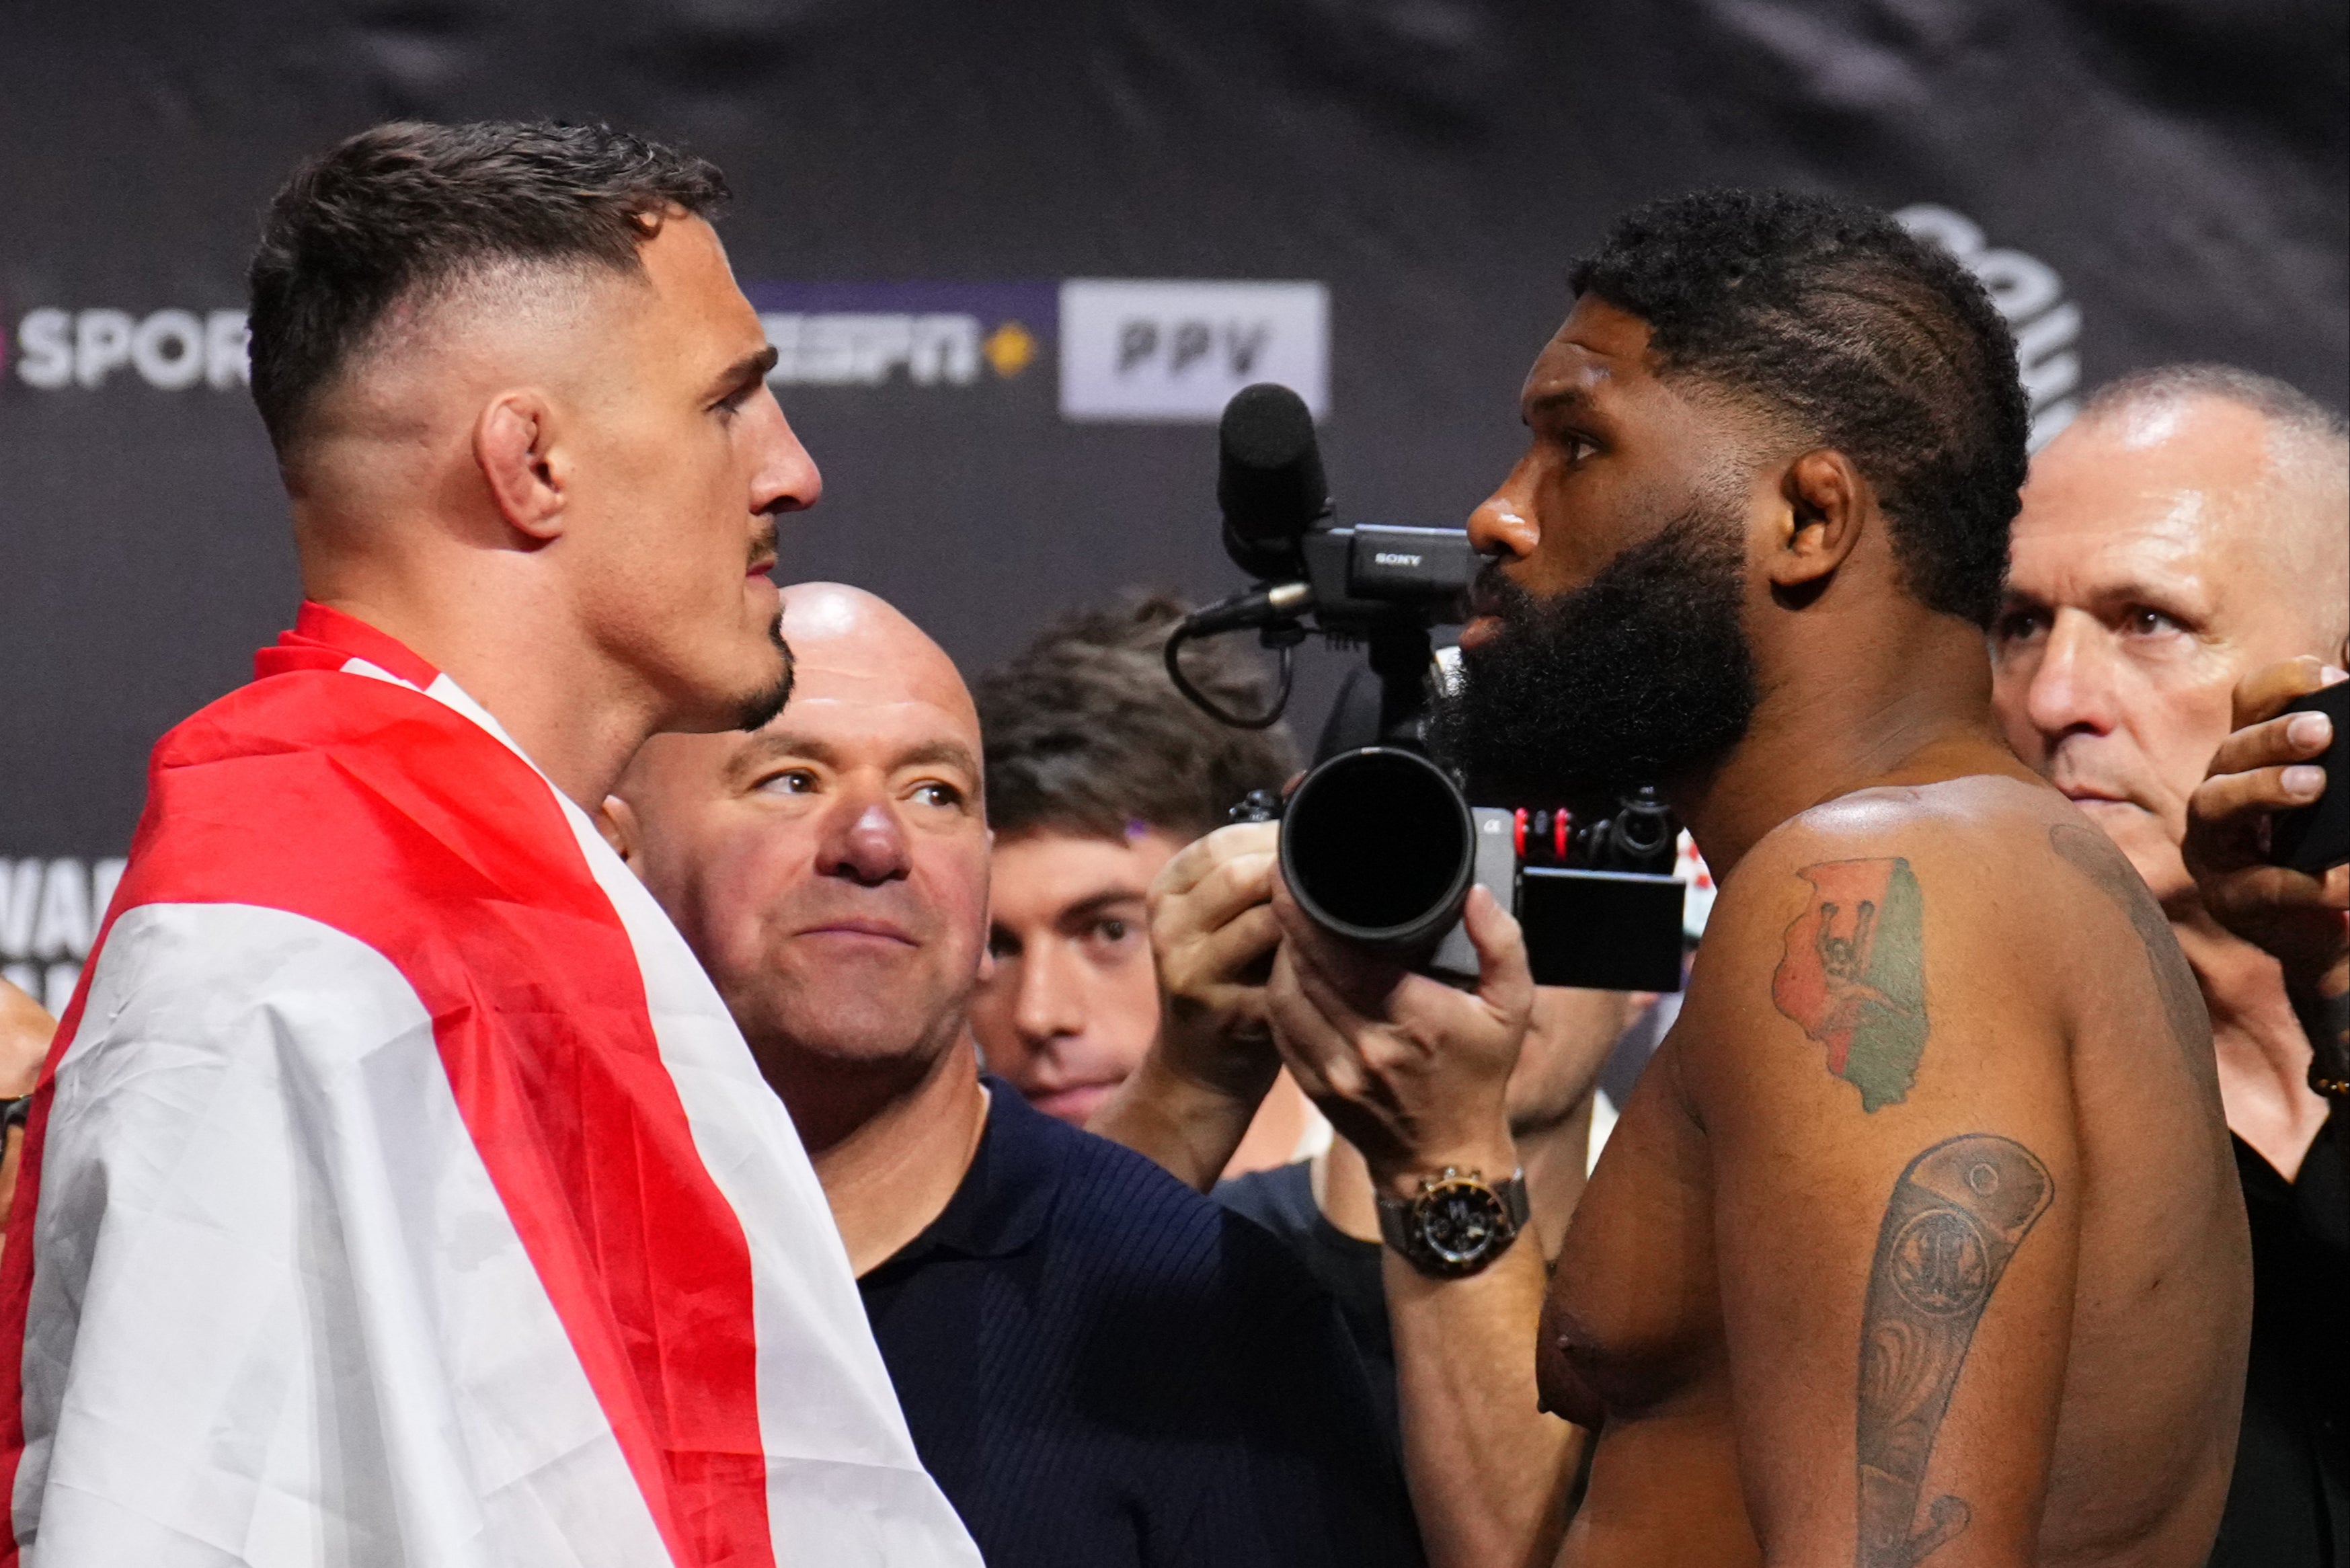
(1639, 676)
(756, 711)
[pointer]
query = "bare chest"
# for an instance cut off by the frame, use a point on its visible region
(1634, 1319)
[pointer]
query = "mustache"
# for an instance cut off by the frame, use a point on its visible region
(1492, 593)
(763, 543)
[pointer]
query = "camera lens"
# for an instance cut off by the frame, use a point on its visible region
(1378, 845)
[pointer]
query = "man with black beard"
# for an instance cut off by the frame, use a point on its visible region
(1932, 1169)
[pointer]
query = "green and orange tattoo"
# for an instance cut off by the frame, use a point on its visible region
(1854, 977)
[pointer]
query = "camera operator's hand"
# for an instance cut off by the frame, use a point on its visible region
(2260, 769)
(1190, 1103)
(1212, 932)
(1409, 1070)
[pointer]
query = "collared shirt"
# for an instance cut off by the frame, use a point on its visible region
(1102, 1367)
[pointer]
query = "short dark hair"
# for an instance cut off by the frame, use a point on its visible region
(412, 208)
(1843, 326)
(1086, 735)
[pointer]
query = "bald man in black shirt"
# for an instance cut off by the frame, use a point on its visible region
(1100, 1366)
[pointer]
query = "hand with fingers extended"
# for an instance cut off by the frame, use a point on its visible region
(1409, 1070)
(2301, 920)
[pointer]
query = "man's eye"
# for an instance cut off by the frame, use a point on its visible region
(943, 795)
(2151, 623)
(791, 781)
(2018, 625)
(1578, 447)
(1115, 931)
(1003, 945)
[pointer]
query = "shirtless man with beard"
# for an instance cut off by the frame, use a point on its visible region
(1920, 1239)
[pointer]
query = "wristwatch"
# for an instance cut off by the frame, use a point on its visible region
(1456, 1223)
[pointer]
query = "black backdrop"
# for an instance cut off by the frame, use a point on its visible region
(2146, 181)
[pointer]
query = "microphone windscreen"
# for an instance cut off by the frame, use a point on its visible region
(1269, 479)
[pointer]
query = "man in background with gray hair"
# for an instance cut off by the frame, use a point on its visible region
(2191, 526)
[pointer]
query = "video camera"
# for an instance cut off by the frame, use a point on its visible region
(1378, 842)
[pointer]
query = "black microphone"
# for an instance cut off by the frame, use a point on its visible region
(1268, 480)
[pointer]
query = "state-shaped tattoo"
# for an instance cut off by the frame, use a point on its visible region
(1956, 1217)
(1854, 975)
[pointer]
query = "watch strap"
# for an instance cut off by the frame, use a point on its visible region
(1401, 1221)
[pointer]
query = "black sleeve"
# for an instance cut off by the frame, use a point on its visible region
(1323, 1486)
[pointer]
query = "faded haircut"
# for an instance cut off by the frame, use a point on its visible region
(1843, 329)
(1086, 734)
(412, 209)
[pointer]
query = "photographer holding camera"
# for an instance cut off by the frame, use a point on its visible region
(1507, 1080)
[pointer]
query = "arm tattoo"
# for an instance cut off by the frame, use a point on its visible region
(1854, 975)
(2093, 855)
(1956, 1217)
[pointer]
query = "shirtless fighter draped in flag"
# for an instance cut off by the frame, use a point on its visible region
(398, 1190)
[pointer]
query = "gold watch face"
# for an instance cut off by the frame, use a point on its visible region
(1460, 1219)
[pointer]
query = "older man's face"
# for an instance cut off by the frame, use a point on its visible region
(830, 870)
(2144, 581)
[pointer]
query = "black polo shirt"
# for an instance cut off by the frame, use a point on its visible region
(1102, 1367)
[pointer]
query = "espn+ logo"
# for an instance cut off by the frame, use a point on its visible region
(171, 350)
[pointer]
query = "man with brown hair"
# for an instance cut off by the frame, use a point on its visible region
(1098, 771)
(400, 1190)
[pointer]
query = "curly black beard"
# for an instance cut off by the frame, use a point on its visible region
(1639, 676)
(755, 712)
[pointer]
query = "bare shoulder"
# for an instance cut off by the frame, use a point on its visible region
(1888, 918)
(1979, 909)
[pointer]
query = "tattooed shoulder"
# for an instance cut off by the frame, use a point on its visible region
(2093, 855)
(1853, 973)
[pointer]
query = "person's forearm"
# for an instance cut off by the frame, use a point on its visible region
(1488, 1471)
(1189, 1127)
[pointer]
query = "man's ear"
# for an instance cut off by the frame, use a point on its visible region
(514, 445)
(1827, 505)
(616, 819)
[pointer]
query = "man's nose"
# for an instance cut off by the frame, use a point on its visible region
(1504, 524)
(2071, 688)
(866, 844)
(1049, 1004)
(786, 479)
